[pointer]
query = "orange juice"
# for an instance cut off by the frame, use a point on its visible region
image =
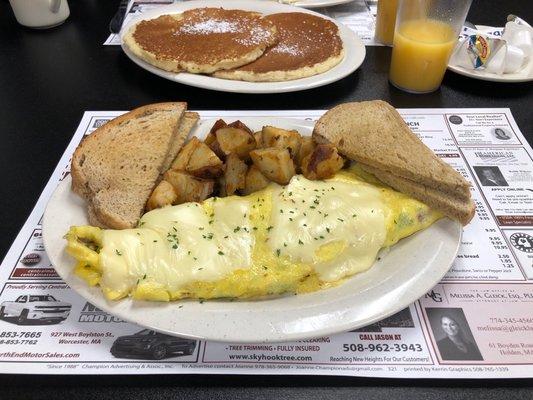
(420, 55)
(385, 21)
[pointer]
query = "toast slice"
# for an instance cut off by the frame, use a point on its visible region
(92, 217)
(187, 123)
(453, 207)
(364, 131)
(116, 167)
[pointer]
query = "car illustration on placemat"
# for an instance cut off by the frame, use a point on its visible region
(35, 309)
(151, 345)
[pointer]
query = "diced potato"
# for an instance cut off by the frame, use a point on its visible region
(188, 187)
(276, 164)
(258, 139)
(322, 163)
(255, 180)
(239, 125)
(220, 123)
(221, 184)
(162, 195)
(215, 146)
(307, 147)
(204, 163)
(282, 138)
(182, 159)
(235, 175)
(236, 141)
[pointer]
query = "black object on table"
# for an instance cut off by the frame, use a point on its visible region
(49, 78)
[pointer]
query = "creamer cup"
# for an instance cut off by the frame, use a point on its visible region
(523, 40)
(497, 62)
(514, 59)
(520, 36)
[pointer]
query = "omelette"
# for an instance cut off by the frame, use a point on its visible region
(302, 237)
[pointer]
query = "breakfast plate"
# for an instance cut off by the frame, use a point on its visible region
(403, 273)
(353, 47)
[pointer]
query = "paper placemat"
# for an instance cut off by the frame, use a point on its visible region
(487, 295)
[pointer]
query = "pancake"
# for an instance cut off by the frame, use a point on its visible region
(201, 40)
(308, 45)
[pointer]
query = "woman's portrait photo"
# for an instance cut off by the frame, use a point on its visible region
(501, 134)
(452, 334)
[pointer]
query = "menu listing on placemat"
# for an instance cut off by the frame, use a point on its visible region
(358, 15)
(486, 297)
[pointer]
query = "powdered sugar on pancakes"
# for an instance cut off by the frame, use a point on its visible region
(208, 27)
(308, 45)
(202, 40)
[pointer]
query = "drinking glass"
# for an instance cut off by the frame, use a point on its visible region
(425, 35)
(385, 21)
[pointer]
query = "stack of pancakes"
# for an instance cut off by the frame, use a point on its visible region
(237, 44)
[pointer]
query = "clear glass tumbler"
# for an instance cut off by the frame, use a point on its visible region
(385, 21)
(425, 36)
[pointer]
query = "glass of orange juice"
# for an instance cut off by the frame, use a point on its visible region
(385, 21)
(425, 35)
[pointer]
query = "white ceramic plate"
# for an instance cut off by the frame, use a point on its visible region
(318, 3)
(404, 274)
(353, 47)
(523, 75)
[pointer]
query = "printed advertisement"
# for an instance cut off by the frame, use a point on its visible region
(476, 323)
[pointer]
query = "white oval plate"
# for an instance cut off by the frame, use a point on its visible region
(353, 47)
(404, 274)
(317, 3)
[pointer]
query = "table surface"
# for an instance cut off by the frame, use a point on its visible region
(49, 78)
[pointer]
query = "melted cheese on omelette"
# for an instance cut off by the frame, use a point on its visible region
(298, 238)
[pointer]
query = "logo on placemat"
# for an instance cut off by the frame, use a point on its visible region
(93, 314)
(31, 259)
(522, 242)
(455, 119)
